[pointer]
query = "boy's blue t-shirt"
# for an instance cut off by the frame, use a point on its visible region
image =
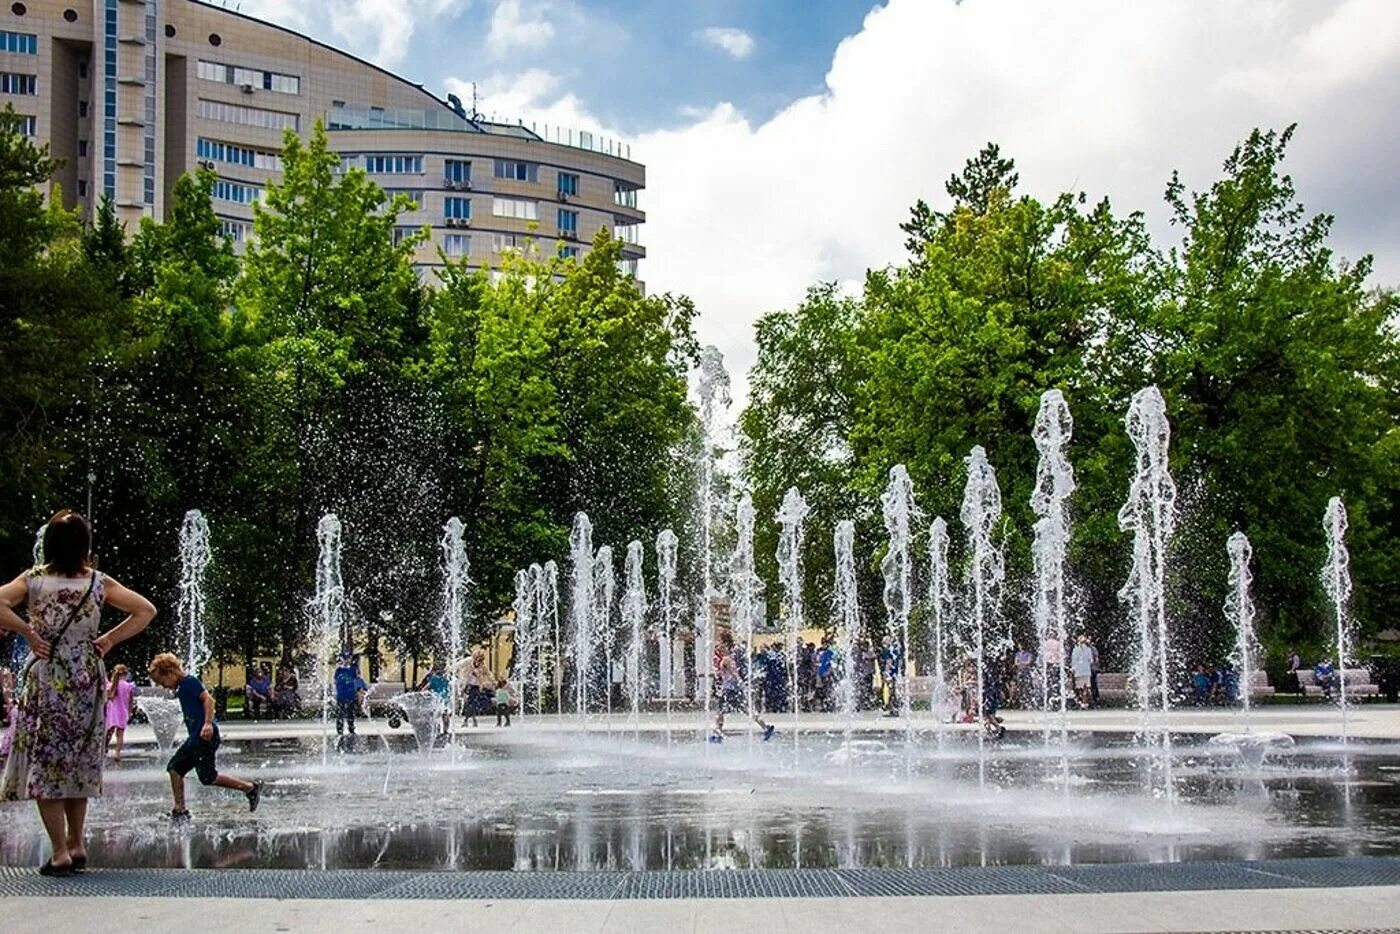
(439, 685)
(348, 684)
(188, 692)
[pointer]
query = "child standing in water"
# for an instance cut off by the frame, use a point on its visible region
(121, 700)
(197, 752)
(438, 682)
(502, 703)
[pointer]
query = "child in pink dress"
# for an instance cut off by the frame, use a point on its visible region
(121, 699)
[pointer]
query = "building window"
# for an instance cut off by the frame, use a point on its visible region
(456, 171)
(247, 116)
(15, 83)
(507, 243)
(519, 171)
(515, 207)
(82, 108)
(233, 191)
(627, 233)
(456, 244)
(236, 231)
(568, 184)
(412, 194)
(457, 208)
(568, 252)
(568, 222)
(82, 147)
(402, 233)
(248, 77)
(393, 165)
(28, 125)
(626, 197)
(82, 188)
(21, 43)
(215, 151)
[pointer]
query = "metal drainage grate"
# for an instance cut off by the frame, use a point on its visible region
(668, 884)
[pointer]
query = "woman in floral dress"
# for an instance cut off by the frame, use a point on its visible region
(56, 757)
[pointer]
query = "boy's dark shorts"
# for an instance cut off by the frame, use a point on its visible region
(196, 755)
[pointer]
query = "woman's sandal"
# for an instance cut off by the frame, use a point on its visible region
(49, 869)
(80, 863)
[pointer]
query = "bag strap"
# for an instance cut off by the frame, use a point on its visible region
(72, 616)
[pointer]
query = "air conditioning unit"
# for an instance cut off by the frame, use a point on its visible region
(465, 184)
(207, 164)
(449, 184)
(247, 89)
(563, 196)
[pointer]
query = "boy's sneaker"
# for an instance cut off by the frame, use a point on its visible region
(716, 737)
(254, 796)
(179, 816)
(768, 732)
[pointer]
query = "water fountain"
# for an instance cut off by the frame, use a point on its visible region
(328, 616)
(1150, 514)
(1336, 582)
(547, 615)
(846, 613)
(747, 592)
(525, 637)
(423, 710)
(713, 391)
(38, 550)
(791, 516)
(581, 610)
(981, 508)
(634, 613)
(452, 622)
(604, 594)
(189, 605)
(165, 717)
(897, 568)
(1054, 482)
(940, 601)
(666, 623)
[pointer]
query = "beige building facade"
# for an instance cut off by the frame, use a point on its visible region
(131, 94)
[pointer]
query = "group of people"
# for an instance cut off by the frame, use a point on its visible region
(263, 696)
(1029, 679)
(64, 707)
(483, 692)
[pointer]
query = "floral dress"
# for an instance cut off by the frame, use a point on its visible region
(59, 734)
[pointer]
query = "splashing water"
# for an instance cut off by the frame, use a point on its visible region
(1336, 582)
(540, 631)
(940, 599)
(452, 622)
(1150, 514)
(581, 608)
(790, 519)
(846, 600)
(1054, 482)
(1239, 610)
(604, 594)
(547, 597)
(897, 568)
(328, 611)
(526, 634)
(39, 545)
(634, 613)
(666, 622)
(189, 606)
(747, 589)
(713, 389)
(981, 508)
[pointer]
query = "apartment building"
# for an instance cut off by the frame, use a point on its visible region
(131, 94)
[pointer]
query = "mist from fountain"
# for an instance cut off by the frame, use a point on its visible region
(981, 509)
(328, 615)
(452, 622)
(189, 605)
(604, 598)
(713, 390)
(581, 609)
(666, 622)
(846, 620)
(1054, 482)
(1336, 582)
(1150, 514)
(897, 568)
(547, 602)
(791, 517)
(940, 601)
(526, 636)
(634, 614)
(541, 630)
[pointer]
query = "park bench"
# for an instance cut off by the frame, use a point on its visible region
(1113, 686)
(1358, 681)
(1259, 685)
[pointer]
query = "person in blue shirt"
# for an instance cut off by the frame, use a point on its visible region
(891, 665)
(349, 689)
(1326, 676)
(197, 751)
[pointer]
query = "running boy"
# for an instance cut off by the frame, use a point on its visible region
(349, 691)
(197, 752)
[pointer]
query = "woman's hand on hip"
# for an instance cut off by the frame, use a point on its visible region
(103, 644)
(37, 644)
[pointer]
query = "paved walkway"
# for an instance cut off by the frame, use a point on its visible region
(1333, 910)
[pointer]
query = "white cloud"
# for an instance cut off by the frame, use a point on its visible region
(732, 42)
(1096, 95)
(517, 25)
(379, 30)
